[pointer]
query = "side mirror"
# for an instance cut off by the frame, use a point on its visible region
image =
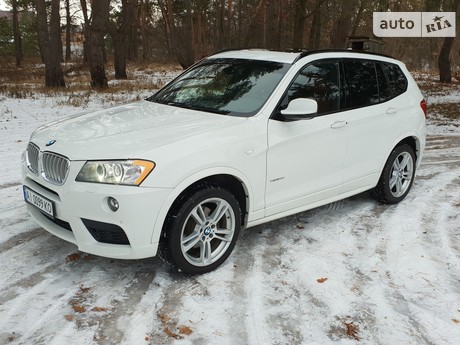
(300, 109)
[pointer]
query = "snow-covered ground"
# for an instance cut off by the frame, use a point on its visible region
(352, 270)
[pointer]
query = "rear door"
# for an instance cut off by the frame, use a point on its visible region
(374, 117)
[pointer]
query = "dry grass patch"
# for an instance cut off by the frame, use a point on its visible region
(437, 88)
(28, 82)
(450, 111)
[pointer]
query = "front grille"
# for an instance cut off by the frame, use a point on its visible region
(33, 153)
(54, 168)
(105, 232)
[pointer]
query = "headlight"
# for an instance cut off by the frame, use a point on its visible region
(131, 172)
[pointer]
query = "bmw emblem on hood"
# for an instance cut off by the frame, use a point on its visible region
(51, 142)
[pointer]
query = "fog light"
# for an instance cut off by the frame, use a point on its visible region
(113, 204)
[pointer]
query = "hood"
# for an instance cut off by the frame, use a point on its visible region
(126, 131)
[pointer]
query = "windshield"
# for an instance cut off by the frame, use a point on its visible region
(234, 87)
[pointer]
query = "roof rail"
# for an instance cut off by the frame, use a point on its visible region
(305, 52)
(225, 50)
(319, 51)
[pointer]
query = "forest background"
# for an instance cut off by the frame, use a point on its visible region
(100, 33)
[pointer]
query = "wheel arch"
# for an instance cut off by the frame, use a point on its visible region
(231, 180)
(413, 142)
(225, 181)
(383, 191)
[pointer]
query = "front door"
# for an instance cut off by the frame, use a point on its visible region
(305, 157)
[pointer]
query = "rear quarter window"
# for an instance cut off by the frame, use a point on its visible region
(396, 77)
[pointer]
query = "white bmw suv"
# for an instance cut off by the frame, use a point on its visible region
(239, 139)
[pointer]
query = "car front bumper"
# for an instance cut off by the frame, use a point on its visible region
(82, 215)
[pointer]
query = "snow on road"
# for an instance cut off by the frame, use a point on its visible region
(352, 270)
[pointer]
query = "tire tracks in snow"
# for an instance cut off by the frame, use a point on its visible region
(419, 253)
(392, 270)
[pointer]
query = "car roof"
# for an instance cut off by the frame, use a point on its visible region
(287, 57)
(257, 54)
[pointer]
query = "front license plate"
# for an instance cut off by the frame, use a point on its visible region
(39, 201)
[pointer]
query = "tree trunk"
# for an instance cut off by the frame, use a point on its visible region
(119, 52)
(68, 53)
(119, 56)
(229, 36)
(253, 38)
(221, 32)
(143, 10)
(315, 31)
(185, 50)
(100, 17)
(342, 25)
(273, 13)
(120, 37)
(240, 23)
(358, 17)
(171, 27)
(300, 19)
(16, 33)
(131, 30)
(299, 24)
(166, 25)
(49, 41)
(445, 72)
(86, 32)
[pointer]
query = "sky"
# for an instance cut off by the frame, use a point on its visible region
(3, 6)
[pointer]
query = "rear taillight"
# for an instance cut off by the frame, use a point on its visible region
(423, 106)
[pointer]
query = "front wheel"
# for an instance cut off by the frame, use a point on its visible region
(397, 176)
(201, 231)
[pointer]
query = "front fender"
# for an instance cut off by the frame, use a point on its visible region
(190, 180)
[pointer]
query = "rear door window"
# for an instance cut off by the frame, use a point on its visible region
(362, 83)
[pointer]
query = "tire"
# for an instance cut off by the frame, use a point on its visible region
(397, 176)
(201, 230)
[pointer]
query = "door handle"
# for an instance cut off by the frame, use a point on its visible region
(339, 124)
(391, 111)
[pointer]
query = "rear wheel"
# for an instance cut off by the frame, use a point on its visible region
(201, 231)
(397, 176)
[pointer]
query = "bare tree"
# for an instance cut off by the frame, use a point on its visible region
(315, 31)
(342, 24)
(86, 31)
(187, 30)
(166, 24)
(144, 13)
(444, 62)
(120, 33)
(50, 42)
(16, 33)
(299, 23)
(98, 26)
(67, 31)
(300, 19)
(184, 46)
(255, 26)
